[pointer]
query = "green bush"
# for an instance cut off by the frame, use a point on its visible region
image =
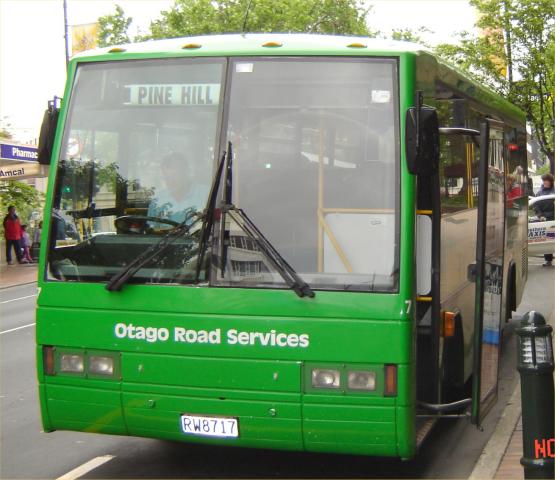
(24, 197)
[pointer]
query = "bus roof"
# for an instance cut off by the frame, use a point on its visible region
(260, 44)
(283, 44)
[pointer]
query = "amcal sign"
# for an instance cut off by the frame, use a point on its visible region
(17, 171)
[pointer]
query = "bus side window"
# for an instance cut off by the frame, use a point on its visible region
(458, 173)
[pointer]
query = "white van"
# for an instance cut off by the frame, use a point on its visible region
(541, 232)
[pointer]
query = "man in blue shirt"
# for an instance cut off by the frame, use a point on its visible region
(182, 195)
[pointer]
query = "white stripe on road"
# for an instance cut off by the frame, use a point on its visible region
(86, 467)
(20, 298)
(17, 328)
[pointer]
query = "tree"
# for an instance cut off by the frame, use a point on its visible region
(514, 56)
(197, 17)
(24, 197)
(113, 28)
(5, 126)
(410, 35)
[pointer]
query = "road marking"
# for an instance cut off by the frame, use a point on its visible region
(20, 298)
(86, 467)
(17, 328)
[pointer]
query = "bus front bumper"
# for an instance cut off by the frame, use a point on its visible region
(282, 413)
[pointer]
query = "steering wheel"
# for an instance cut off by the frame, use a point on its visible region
(139, 223)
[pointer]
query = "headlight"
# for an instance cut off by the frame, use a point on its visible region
(361, 380)
(72, 363)
(101, 365)
(325, 378)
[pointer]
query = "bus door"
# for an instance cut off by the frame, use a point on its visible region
(489, 269)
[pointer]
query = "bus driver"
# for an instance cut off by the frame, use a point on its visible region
(182, 194)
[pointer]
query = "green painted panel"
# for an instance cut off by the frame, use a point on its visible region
(406, 393)
(406, 431)
(355, 400)
(407, 188)
(363, 433)
(85, 409)
(326, 339)
(382, 450)
(203, 406)
(223, 301)
(212, 372)
(83, 395)
(244, 395)
(45, 417)
(250, 428)
(348, 413)
(256, 421)
(82, 382)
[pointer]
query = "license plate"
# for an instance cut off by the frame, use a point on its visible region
(210, 426)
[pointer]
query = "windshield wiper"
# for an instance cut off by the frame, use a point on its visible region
(228, 186)
(291, 278)
(209, 214)
(117, 281)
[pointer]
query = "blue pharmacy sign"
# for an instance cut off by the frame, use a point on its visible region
(18, 153)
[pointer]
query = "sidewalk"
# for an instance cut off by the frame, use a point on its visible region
(501, 456)
(12, 275)
(510, 464)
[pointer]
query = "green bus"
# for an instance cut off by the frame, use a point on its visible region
(276, 241)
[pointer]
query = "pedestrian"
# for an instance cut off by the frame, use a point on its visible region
(36, 235)
(26, 244)
(12, 235)
(35, 246)
(545, 209)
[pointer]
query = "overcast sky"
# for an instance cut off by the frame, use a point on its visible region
(32, 52)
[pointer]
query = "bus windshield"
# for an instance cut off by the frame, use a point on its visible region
(136, 160)
(315, 166)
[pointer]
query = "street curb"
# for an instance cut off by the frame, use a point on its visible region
(490, 459)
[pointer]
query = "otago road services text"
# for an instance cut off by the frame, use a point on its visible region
(232, 336)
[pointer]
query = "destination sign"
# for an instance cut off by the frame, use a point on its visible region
(173, 94)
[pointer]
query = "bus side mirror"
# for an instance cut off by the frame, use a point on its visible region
(48, 132)
(422, 140)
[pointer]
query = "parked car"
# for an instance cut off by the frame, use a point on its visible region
(541, 230)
